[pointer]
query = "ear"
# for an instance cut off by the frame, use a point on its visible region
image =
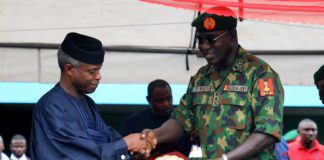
(68, 69)
(233, 33)
(148, 99)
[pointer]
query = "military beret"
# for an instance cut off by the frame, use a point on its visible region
(319, 75)
(83, 48)
(208, 21)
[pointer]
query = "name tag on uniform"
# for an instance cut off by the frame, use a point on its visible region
(235, 88)
(201, 89)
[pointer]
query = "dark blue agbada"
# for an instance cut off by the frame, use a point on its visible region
(66, 128)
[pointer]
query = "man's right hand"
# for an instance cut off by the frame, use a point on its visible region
(137, 144)
(150, 137)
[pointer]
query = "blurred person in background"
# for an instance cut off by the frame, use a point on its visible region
(3, 156)
(319, 82)
(18, 146)
(159, 96)
(307, 147)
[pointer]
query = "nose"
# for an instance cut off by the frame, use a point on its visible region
(311, 132)
(19, 150)
(167, 104)
(204, 45)
(98, 76)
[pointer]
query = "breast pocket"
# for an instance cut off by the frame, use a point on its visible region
(233, 110)
(202, 108)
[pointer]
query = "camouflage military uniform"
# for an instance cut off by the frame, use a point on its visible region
(228, 105)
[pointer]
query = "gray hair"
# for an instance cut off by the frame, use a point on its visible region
(64, 59)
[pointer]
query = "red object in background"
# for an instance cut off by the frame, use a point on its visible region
(297, 139)
(286, 11)
(175, 153)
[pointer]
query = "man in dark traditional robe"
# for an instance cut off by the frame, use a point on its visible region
(66, 123)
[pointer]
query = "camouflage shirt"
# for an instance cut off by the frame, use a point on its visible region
(228, 105)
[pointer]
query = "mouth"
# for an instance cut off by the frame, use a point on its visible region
(93, 85)
(167, 110)
(311, 137)
(209, 54)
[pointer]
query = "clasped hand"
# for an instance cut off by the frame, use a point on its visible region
(141, 143)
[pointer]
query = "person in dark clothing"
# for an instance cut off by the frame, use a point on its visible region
(319, 82)
(159, 97)
(66, 123)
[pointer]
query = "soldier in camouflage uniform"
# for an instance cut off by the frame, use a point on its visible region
(235, 101)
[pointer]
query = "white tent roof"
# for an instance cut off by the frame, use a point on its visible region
(135, 23)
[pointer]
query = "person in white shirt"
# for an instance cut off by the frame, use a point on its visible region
(3, 156)
(18, 146)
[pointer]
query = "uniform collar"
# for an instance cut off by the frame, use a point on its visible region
(237, 66)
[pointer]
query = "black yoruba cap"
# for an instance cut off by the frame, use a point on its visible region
(83, 48)
(215, 19)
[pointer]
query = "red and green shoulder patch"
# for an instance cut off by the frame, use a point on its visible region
(266, 87)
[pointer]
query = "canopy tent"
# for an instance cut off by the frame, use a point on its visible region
(134, 23)
(131, 23)
(292, 11)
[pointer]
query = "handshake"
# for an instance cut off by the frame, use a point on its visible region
(141, 144)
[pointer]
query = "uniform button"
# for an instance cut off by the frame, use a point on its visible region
(122, 157)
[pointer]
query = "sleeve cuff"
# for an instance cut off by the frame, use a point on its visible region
(273, 130)
(121, 145)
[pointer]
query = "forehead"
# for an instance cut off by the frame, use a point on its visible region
(308, 125)
(202, 34)
(90, 66)
(161, 91)
(18, 141)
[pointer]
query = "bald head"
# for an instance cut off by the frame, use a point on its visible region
(306, 121)
(307, 130)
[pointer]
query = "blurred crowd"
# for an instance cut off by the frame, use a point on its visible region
(18, 146)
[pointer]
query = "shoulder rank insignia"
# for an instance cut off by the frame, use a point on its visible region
(235, 88)
(216, 99)
(266, 87)
(201, 89)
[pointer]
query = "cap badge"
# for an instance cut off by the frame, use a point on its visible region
(209, 23)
